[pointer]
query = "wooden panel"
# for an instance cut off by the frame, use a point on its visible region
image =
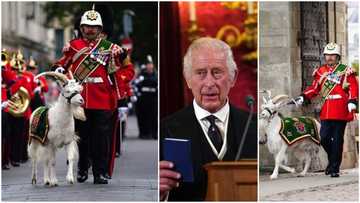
(232, 181)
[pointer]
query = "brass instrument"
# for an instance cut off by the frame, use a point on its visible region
(19, 102)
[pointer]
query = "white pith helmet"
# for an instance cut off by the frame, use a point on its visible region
(332, 48)
(91, 17)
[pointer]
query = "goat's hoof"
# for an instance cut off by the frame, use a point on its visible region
(53, 184)
(70, 179)
(301, 175)
(33, 181)
(272, 177)
(47, 183)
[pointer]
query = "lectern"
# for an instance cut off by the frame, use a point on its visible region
(232, 180)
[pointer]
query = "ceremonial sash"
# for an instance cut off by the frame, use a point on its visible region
(329, 84)
(92, 60)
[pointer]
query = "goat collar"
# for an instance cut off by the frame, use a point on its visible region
(70, 97)
(270, 112)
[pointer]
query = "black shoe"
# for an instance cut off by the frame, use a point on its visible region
(5, 167)
(327, 172)
(334, 175)
(15, 163)
(107, 176)
(100, 180)
(82, 176)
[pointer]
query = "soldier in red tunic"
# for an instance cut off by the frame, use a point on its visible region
(337, 86)
(99, 66)
(8, 78)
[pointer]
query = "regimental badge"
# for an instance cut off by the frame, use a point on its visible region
(300, 127)
(331, 46)
(91, 15)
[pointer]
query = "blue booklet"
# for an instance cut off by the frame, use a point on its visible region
(178, 151)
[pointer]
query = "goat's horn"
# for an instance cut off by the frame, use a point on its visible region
(71, 75)
(59, 76)
(279, 97)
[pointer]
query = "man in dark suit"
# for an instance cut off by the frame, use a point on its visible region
(213, 126)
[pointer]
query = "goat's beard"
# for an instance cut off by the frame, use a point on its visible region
(79, 113)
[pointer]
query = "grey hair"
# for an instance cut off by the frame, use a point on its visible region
(209, 43)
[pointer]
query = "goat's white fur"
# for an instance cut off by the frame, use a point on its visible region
(61, 133)
(303, 150)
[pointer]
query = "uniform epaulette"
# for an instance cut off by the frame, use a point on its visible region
(349, 70)
(71, 46)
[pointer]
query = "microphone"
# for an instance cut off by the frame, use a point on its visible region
(250, 103)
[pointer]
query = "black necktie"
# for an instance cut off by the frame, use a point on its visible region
(214, 133)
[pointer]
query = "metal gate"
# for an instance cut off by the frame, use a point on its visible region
(312, 39)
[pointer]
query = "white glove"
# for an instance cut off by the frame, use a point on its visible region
(351, 107)
(299, 100)
(4, 105)
(37, 89)
(133, 99)
(60, 69)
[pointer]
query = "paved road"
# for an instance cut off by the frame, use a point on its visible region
(313, 187)
(134, 179)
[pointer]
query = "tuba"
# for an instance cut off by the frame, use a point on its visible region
(19, 102)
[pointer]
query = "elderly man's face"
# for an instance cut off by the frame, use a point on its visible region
(209, 79)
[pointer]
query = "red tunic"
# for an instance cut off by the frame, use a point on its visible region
(97, 95)
(8, 77)
(335, 106)
(44, 87)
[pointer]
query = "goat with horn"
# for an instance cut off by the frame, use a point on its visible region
(285, 135)
(53, 127)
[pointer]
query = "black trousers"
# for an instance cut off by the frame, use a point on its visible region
(94, 145)
(146, 113)
(332, 140)
(16, 133)
(5, 145)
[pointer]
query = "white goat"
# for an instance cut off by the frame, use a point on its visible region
(61, 130)
(270, 124)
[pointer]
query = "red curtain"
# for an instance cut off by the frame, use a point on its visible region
(171, 79)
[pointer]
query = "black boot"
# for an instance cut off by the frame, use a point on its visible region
(5, 167)
(334, 175)
(100, 180)
(82, 176)
(107, 176)
(327, 170)
(15, 163)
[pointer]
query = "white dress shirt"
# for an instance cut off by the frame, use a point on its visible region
(221, 122)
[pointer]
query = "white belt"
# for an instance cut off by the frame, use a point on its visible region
(148, 89)
(334, 96)
(94, 80)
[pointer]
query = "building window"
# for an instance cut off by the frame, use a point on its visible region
(59, 42)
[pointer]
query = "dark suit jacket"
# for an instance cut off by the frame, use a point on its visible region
(184, 125)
